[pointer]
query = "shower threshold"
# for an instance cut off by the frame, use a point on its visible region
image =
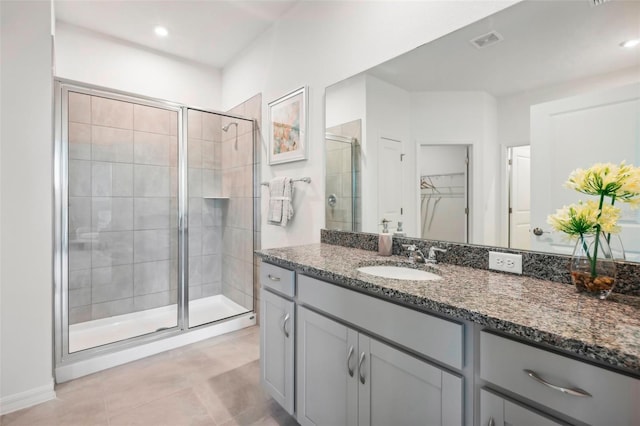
(91, 334)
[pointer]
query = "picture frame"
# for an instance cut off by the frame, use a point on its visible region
(288, 127)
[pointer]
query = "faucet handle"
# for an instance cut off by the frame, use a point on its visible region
(409, 247)
(433, 250)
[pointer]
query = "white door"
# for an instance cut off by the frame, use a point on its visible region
(398, 389)
(327, 371)
(520, 198)
(608, 123)
(390, 181)
(506, 413)
(277, 348)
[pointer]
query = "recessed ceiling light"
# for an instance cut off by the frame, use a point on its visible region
(161, 31)
(630, 43)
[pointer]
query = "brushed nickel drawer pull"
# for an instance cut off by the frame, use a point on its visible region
(284, 325)
(349, 369)
(272, 278)
(362, 378)
(568, 391)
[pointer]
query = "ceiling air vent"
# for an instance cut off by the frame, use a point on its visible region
(487, 39)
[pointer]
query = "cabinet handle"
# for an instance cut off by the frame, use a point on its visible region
(360, 370)
(491, 422)
(349, 369)
(272, 278)
(284, 325)
(569, 391)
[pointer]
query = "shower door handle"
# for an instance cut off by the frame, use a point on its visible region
(284, 326)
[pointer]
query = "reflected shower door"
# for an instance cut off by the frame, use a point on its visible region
(220, 225)
(122, 224)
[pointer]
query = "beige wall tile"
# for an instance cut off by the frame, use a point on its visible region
(153, 120)
(211, 127)
(111, 144)
(194, 124)
(79, 141)
(111, 113)
(253, 107)
(79, 108)
(155, 149)
(194, 152)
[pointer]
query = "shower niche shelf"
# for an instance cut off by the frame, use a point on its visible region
(215, 197)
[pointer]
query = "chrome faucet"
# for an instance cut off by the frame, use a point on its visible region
(415, 255)
(432, 254)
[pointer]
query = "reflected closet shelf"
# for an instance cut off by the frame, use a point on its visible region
(214, 197)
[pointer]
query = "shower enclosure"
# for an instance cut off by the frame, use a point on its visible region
(342, 206)
(154, 221)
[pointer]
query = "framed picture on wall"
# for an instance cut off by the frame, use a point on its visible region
(288, 127)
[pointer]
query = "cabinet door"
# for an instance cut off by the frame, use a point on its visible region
(277, 331)
(496, 411)
(395, 388)
(326, 371)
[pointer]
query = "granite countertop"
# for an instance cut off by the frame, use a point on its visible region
(542, 311)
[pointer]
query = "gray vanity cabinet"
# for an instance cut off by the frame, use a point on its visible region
(395, 388)
(327, 385)
(497, 411)
(277, 328)
(346, 377)
(573, 388)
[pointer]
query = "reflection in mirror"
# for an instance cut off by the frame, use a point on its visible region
(443, 192)
(550, 89)
(342, 204)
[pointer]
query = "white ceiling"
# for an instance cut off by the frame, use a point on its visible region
(545, 43)
(206, 31)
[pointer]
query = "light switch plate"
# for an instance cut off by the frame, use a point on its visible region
(505, 262)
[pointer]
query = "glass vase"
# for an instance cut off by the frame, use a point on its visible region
(593, 269)
(616, 246)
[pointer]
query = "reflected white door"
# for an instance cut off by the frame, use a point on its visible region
(606, 122)
(520, 198)
(390, 181)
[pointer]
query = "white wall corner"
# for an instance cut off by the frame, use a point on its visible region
(18, 401)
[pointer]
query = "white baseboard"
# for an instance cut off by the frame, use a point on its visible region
(18, 401)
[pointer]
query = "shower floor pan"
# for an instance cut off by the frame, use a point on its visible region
(91, 334)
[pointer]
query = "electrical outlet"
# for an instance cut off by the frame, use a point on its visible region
(505, 262)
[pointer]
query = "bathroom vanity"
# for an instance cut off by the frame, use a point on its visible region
(475, 347)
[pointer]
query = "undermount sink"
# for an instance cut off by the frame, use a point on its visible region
(399, 273)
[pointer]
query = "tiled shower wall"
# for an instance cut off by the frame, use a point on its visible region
(238, 165)
(122, 192)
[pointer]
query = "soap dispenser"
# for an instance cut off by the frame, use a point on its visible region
(385, 242)
(399, 231)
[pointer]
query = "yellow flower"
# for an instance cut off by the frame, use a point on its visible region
(609, 218)
(584, 218)
(621, 182)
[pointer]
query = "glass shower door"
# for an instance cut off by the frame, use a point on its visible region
(122, 217)
(220, 226)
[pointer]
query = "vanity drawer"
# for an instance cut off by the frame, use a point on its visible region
(612, 398)
(277, 278)
(433, 337)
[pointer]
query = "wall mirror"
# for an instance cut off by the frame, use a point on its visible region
(470, 138)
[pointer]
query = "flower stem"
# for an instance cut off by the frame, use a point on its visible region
(613, 200)
(595, 244)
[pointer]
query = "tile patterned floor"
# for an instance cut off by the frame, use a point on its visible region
(213, 382)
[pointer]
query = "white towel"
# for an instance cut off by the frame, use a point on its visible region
(280, 201)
